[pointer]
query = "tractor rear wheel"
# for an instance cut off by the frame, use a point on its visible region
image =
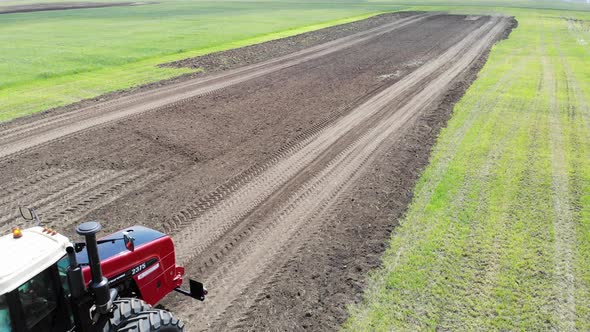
(126, 308)
(154, 320)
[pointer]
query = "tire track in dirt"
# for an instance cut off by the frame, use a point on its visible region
(63, 184)
(243, 259)
(50, 128)
(64, 200)
(18, 189)
(73, 194)
(286, 256)
(243, 199)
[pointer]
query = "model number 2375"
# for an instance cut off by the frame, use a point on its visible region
(138, 268)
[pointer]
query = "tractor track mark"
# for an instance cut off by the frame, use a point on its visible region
(16, 190)
(205, 203)
(240, 233)
(40, 198)
(74, 209)
(246, 198)
(115, 191)
(240, 261)
(285, 258)
(65, 212)
(50, 128)
(84, 192)
(275, 236)
(51, 200)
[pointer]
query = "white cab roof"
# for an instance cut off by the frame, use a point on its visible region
(25, 257)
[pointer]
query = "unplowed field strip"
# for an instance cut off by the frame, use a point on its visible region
(241, 167)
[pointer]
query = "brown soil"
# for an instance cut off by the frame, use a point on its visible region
(279, 181)
(238, 57)
(311, 291)
(39, 7)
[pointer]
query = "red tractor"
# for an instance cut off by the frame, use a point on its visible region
(48, 283)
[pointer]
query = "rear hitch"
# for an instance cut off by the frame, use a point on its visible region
(198, 291)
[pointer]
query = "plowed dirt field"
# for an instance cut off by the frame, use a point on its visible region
(279, 180)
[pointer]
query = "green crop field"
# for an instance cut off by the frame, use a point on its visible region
(498, 234)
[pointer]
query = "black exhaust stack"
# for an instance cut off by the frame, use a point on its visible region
(99, 285)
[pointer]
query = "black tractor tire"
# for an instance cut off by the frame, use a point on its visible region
(125, 309)
(154, 320)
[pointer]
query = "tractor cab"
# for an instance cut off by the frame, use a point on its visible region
(33, 281)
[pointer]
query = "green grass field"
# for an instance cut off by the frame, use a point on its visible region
(498, 234)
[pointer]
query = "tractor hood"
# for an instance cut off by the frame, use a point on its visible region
(142, 235)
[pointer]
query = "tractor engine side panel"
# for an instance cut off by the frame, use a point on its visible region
(152, 267)
(159, 279)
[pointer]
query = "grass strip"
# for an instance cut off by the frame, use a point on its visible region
(497, 235)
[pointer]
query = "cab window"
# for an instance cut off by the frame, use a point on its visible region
(62, 269)
(5, 323)
(38, 299)
(40, 304)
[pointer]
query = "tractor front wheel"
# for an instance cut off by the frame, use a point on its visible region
(125, 309)
(154, 320)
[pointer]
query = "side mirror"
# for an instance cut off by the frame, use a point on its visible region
(29, 214)
(26, 213)
(129, 241)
